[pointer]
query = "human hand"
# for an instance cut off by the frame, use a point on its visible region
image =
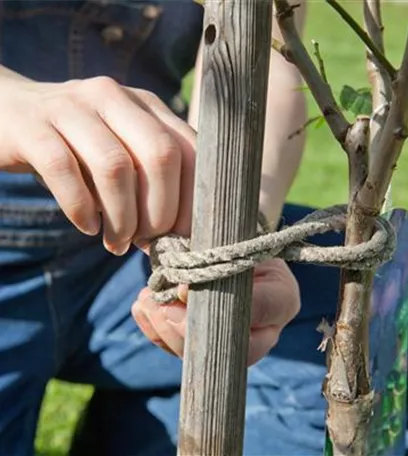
(109, 154)
(276, 301)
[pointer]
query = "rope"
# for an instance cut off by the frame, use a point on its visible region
(173, 263)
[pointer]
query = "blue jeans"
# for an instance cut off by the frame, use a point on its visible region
(65, 302)
(65, 313)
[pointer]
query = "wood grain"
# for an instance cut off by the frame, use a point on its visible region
(228, 168)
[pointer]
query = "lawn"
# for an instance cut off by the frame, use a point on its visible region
(320, 182)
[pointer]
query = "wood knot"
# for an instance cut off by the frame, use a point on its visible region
(210, 34)
(401, 133)
(287, 53)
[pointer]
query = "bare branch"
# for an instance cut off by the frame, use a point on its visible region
(377, 75)
(280, 47)
(320, 61)
(387, 150)
(303, 127)
(364, 37)
(298, 55)
(347, 389)
(347, 386)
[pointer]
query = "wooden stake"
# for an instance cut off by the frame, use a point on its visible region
(237, 35)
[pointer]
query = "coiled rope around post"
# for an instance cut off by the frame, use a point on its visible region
(173, 263)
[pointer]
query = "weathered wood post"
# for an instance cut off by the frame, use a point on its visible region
(237, 35)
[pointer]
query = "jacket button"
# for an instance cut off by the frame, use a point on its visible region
(151, 11)
(112, 34)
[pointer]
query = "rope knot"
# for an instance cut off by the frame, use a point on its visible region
(173, 263)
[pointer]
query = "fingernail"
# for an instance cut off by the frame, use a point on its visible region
(118, 250)
(182, 293)
(174, 314)
(93, 226)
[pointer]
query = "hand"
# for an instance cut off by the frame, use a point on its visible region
(107, 153)
(276, 301)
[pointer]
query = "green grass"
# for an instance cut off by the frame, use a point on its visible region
(322, 179)
(63, 402)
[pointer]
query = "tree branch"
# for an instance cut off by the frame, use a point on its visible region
(320, 61)
(387, 150)
(347, 389)
(303, 127)
(347, 386)
(295, 52)
(364, 37)
(280, 47)
(379, 78)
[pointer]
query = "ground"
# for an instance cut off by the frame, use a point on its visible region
(321, 181)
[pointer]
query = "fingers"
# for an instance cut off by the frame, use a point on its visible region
(261, 341)
(276, 301)
(148, 329)
(156, 155)
(110, 167)
(51, 157)
(164, 325)
(186, 139)
(108, 154)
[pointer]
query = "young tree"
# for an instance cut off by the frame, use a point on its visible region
(373, 145)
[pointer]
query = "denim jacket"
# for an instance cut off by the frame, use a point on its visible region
(140, 43)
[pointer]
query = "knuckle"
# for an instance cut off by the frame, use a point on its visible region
(72, 94)
(166, 153)
(72, 85)
(93, 87)
(104, 84)
(152, 101)
(76, 209)
(113, 164)
(57, 161)
(73, 104)
(150, 98)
